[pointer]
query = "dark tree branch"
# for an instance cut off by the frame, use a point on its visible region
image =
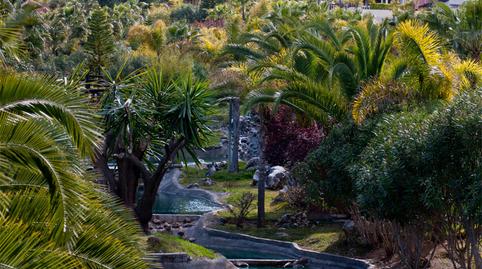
(145, 173)
(171, 150)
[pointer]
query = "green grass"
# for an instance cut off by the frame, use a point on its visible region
(235, 184)
(170, 243)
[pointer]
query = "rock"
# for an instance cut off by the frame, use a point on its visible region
(192, 186)
(293, 220)
(281, 234)
(220, 165)
(180, 233)
(277, 178)
(253, 163)
(242, 265)
(249, 137)
(349, 230)
(288, 265)
(302, 261)
(207, 182)
(191, 239)
(349, 225)
(176, 225)
(211, 170)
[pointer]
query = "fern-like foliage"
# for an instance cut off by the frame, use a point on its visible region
(52, 215)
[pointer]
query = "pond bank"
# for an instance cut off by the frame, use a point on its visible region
(226, 242)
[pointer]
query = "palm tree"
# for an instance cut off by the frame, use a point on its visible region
(422, 72)
(323, 68)
(52, 215)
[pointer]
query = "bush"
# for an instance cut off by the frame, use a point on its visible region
(185, 12)
(380, 6)
(241, 207)
(296, 197)
(325, 173)
(422, 172)
(287, 140)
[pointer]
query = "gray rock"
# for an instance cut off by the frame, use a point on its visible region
(253, 162)
(211, 170)
(348, 226)
(277, 178)
(192, 186)
(281, 234)
(207, 182)
(220, 165)
(293, 220)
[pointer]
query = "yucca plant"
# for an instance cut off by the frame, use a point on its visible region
(52, 215)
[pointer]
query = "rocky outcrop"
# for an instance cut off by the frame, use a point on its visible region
(249, 137)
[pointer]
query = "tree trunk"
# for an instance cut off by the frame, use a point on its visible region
(144, 208)
(233, 137)
(152, 181)
(129, 175)
(262, 172)
(243, 12)
(101, 164)
(474, 241)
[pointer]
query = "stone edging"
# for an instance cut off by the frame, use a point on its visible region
(330, 259)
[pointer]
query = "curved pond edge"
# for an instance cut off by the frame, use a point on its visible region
(290, 249)
(170, 184)
(219, 240)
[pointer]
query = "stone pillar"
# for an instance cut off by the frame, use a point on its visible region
(233, 136)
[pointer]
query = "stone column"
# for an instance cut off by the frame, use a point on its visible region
(233, 136)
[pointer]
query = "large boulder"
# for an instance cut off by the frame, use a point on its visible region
(278, 177)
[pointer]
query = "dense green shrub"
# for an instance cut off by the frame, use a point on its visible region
(325, 173)
(423, 173)
(185, 12)
(380, 6)
(389, 172)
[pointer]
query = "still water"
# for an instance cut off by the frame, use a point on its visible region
(174, 204)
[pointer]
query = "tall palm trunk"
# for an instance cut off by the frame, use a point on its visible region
(233, 138)
(262, 172)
